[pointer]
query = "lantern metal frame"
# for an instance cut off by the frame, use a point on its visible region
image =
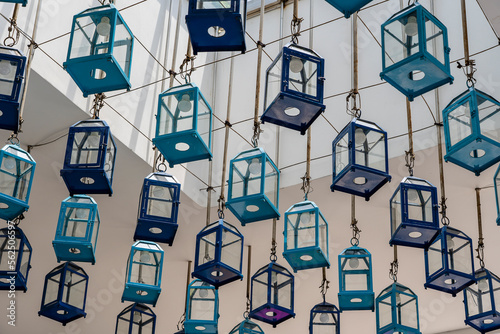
(201, 326)
(10, 102)
(15, 274)
(348, 7)
(246, 327)
(496, 182)
(128, 318)
(333, 314)
(22, 2)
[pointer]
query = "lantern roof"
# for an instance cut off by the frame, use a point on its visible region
(188, 85)
(273, 266)
(250, 153)
(97, 9)
(302, 49)
(162, 177)
(470, 91)
(324, 306)
(70, 265)
(301, 206)
(10, 51)
(93, 122)
(416, 181)
(138, 306)
(246, 326)
(398, 287)
(224, 223)
(147, 245)
(81, 199)
(355, 250)
(18, 152)
(198, 283)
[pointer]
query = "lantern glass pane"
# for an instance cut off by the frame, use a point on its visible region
(460, 124)
(259, 290)
(406, 310)
(271, 183)
(401, 39)
(355, 271)
(86, 40)
(419, 205)
(176, 113)
(302, 76)
(434, 256)
(110, 159)
(281, 290)
(435, 40)
(145, 267)
(459, 255)
(385, 311)
(8, 71)
(202, 304)
(123, 326)
(75, 222)
(204, 118)
(246, 177)
(489, 118)
(15, 177)
(342, 153)
(213, 4)
(51, 290)
(396, 214)
(95, 229)
(74, 290)
(160, 201)
(231, 249)
(273, 81)
(369, 148)
(122, 47)
(86, 147)
(207, 247)
(24, 261)
(7, 247)
(323, 234)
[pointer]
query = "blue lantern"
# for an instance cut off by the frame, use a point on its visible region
(348, 7)
(183, 125)
(23, 2)
(360, 165)
(144, 267)
(471, 123)
(324, 319)
(253, 192)
(77, 230)
(12, 64)
(216, 25)
(17, 169)
(356, 280)
(158, 208)
(449, 263)
(202, 312)
(496, 181)
(14, 270)
(306, 237)
(272, 296)
(247, 327)
(89, 161)
(100, 51)
(136, 318)
(415, 52)
(397, 310)
(294, 88)
(65, 293)
(219, 254)
(414, 213)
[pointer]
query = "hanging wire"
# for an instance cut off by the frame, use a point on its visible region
(470, 64)
(325, 284)
(296, 23)
(354, 223)
(273, 257)
(13, 32)
(188, 62)
(353, 99)
(480, 243)
(306, 179)
(246, 314)
(97, 105)
(409, 155)
(180, 323)
(256, 123)
(393, 271)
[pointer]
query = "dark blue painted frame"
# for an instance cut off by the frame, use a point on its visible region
(132, 309)
(10, 104)
(22, 2)
(20, 280)
(497, 198)
(247, 327)
(325, 308)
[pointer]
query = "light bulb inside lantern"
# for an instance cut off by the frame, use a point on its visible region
(254, 167)
(411, 27)
(184, 105)
(80, 213)
(5, 68)
(398, 299)
(67, 279)
(9, 163)
(296, 65)
(305, 217)
(359, 136)
(145, 257)
(203, 293)
(449, 242)
(324, 317)
(104, 28)
(412, 195)
(158, 192)
(353, 263)
(137, 317)
(483, 285)
(93, 139)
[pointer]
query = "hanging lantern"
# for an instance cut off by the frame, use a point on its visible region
(217, 26)
(253, 192)
(183, 125)
(158, 208)
(294, 88)
(15, 257)
(360, 165)
(247, 327)
(272, 296)
(471, 130)
(100, 51)
(415, 52)
(144, 267)
(12, 64)
(306, 237)
(23, 2)
(89, 162)
(324, 319)
(219, 254)
(202, 312)
(136, 318)
(348, 7)
(17, 169)
(397, 310)
(449, 263)
(77, 230)
(414, 213)
(65, 293)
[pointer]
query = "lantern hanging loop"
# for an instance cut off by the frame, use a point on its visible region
(160, 165)
(355, 232)
(18, 220)
(296, 22)
(97, 105)
(306, 185)
(13, 32)
(325, 285)
(188, 63)
(444, 218)
(13, 139)
(393, 271)
(103, 2)
(353, 104)
(273, 257)
(480, 243)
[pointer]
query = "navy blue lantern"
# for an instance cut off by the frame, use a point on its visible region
(397, 310)
(348, 7)
(17, 169)
(158, 208)
(306, 237)
(202, 311)
(449, 263)
(136, 318)
(253, 193)
(496, 181)
(219, 254)
(324, 319)
(294, 88)
(15, 258)
(216, 25)
(356, 280)
(360, 165)
(247, 327)
(100, 51)
(272, 296)
(183, 125)
(471, 130)
(65, 293)
(77, 230)
(12, 64)
(415, 52)
(414, 213)
(90, 156)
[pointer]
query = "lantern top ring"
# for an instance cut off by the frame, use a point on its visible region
(354, 241)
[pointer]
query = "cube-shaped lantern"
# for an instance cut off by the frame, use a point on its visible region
(136, 318)
(90, 156)
(77, 230)
(356, 280)
(216, 25)
(348, 7)
(472, 130)
(183, 125)
(415, 52)
(247, 327)
(496, 181)
(12, 64)
(65, 293)
(219, 254)
(253, 192)
(414, 213)
(100, 51)
(17, 168)
(294, 88)
(15, 258)
(449, 263)
(144, 267)
(360, 165)
(306, 237)
(23, 2)
(158, 208)
(202, 311)
(272, 296)
(397, 310)
(324, 319)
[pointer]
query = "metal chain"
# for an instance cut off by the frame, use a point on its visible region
(102, 2)
(393, 272)
(355, 232)
(353, 109)
(246, 314)
(325, 285)
(188, 62)
(410, 160)
(221, 206)
(12, 35)
(444, 219)
(295, 28)
(160, 165)
(480, 251)
(306, 186)
(97, 105)
(469, 69)
(480, 243)
(256, 134)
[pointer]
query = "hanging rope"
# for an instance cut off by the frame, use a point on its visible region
(273, 256)
(97, 105)
(470, 64)
(393, 272)
(354, 223)
(246, 314)
(306, 179)
(409, 155)
(325, 284)
(188, 63)
(256, 123)
(180, 323)
(480, 243)
(159, 165)
(296, 22)
(13, 32)
(353, 99)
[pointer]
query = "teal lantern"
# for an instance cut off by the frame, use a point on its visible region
(202, 312)
(247, 327)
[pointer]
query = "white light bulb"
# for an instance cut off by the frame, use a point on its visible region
(67, 279)
(80, 213)
(158, 192)
(449, 242)
(137, 316)
(104, 28)
(353, 263)
(324, 317)
(145, 257)
(398, 299)
(305, 218)
(254, 166)
(412, 195)
(203, 293)
(296, 65)
(5, 68)
(411, 27)
(359, 136)
(483, 285)
(184, 105)
(93, 139)
(9, 163)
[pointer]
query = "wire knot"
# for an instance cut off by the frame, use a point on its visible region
(393, 272)
(188, 62)
(256, 133)
(325, 285)
(295, 28)
(306, 185)
(260, 44)
(480, 251)
(410, 161)
(355, 232)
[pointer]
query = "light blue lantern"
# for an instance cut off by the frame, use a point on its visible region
(12, 65)
(306, 237)
(253, 193)
(415, 52)
(183, 125)
(23, 2)
(144, 267)
(324, 319)
(348, 7)
(202, 311)
(136, 318)
(77, 230)
(15, 258)
(247, 327)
